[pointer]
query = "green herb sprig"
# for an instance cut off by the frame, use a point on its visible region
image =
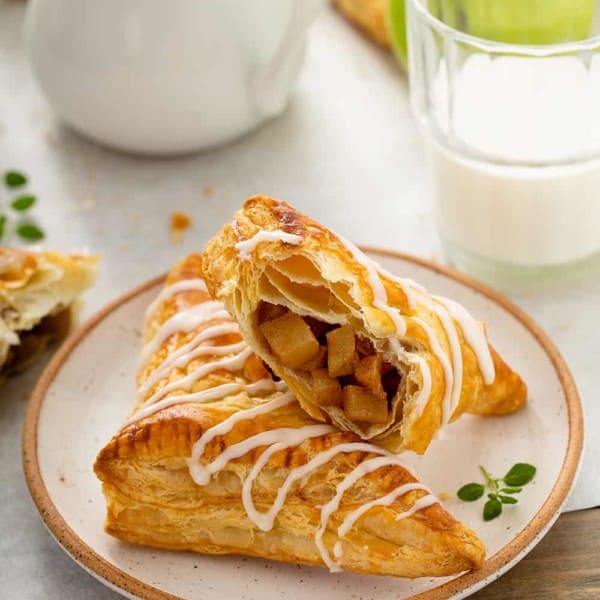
(502, 490)
(20, 204)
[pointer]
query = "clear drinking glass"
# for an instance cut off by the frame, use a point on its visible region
(513, 132)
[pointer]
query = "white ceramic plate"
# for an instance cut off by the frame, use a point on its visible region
(88, 389)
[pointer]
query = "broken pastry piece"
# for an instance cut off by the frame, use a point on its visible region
(37, 291)
(219, 458)
(370, 352)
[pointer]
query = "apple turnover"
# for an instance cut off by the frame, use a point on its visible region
(370, 352)
(218, 457)
(37, 291)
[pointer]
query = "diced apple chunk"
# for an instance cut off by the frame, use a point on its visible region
(341, 351)
(368, 374)
(255, 368)
(290, 339)
(361, 405)
(328, 391)
(317, 361)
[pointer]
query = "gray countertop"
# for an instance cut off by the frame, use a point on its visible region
(346, 151)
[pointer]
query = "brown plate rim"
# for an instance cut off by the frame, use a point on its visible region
(494, 566)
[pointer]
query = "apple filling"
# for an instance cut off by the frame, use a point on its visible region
(343, 368)
(33, 342)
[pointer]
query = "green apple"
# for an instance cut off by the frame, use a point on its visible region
(511, 21)
(397, 30)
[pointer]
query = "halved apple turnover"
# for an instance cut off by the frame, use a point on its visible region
(370, 352)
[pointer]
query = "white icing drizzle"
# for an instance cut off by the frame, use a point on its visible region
(386, 500)
(286, 438)
(420, 504)
(193, 349)
(231, 363)
(408, 285)
(182, 322)
(246, 247)
(475, 336)
(442, 357)
(208, 395)
(290, 437)
(265, 520)
(326, 511)
(472, 329)
(380, 299)
(449, 326)
(185, 285)
(186, 321)
(197, 470)
(426, 384)
(266, 438)
(337, 549)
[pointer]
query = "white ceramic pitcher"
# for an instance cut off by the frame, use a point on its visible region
(167, 76)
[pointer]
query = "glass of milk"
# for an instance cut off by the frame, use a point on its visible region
(507, 94)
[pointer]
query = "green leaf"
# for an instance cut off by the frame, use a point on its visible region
(23, 203)
(519, 475)
(470, 492)
(512, 490)
(30, 232)
(492, 509)
(14, 179)
(508, 500)
(2, 225)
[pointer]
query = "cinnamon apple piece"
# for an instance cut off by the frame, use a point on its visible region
(317, 361)
(368, 374)
(290, 339)
(327, 390)
(341, 351)
(361, 405)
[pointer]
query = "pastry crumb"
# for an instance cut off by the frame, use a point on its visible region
(208, 190)
(180, 221)
(444, 496)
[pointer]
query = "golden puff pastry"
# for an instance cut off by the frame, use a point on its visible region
(219, 458)
(37, 290)
(370, 352)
